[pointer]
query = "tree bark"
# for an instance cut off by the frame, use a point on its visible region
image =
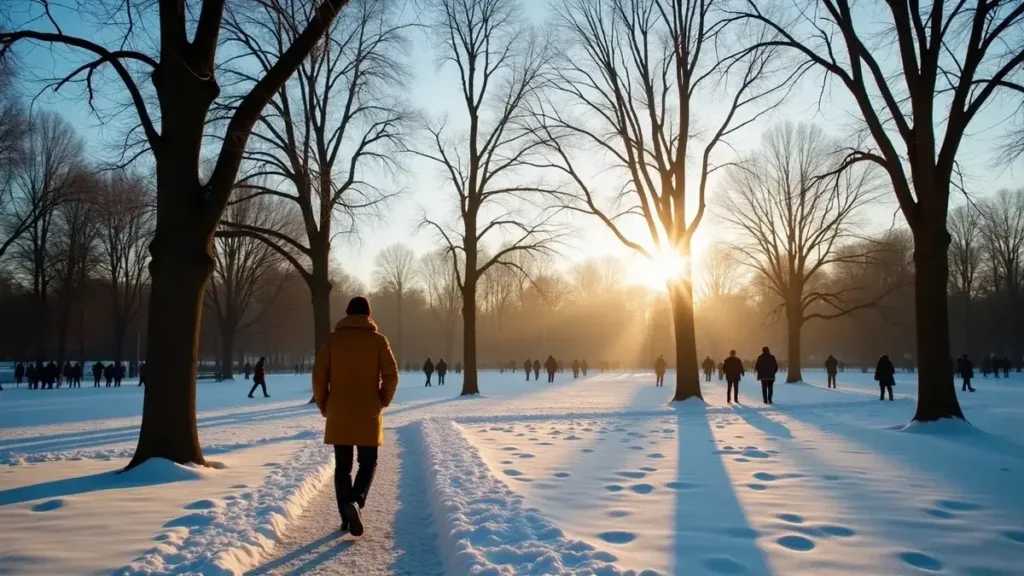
(794, 326)
(936, 392)
(227, 350)
(320, 292)
(470, 383)
(687, 376)
(179, 272)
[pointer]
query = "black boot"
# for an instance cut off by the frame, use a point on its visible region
(355, 523)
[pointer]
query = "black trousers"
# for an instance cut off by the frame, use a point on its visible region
(261, 384)
(345, 490)
(440, 378)
(967, 385)
(732, 390)
(707, 376)
(831, 379)
(767, 388)
(882, 389)
(661, 380)
(428, 378)
(551, 377)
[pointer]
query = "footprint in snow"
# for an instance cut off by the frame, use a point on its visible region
(614, 488)
(680, 485)
(649, 469)
(617, 513)
(765, 476)
(796, 543)
(631, 474)
(958, 506)
(723, 565)
(656, 455)
(561, 474)
(587, 450)
(573, 437)
(617, 537)
(50, 505)
(938, 513)
(510, 449)
(202, 505)
(545, 443)
(512, 472)
(526, 455)
(921, 561)
(758, 487)
(838, 531)
(635, 447)
(642, 488)
(791, 518)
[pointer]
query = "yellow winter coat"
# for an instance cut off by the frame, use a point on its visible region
(354, 379)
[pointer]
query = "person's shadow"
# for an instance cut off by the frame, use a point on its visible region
(333, 546)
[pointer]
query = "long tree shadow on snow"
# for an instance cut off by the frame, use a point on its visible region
(712, 534)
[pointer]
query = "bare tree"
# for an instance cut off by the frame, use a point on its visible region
(720, 273)
(44, 178)
(171, 94)
(124, 214)
(444, 298)
(917, 88)
(794, 203)
(395, 272)
(327, 142)
(499, 62)
(247, 276)
(1002, 229)
(75, 241)
(965, 260)
(627, 87)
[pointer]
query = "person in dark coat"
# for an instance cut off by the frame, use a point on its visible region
(52, 373)
(885, 374)
(19, 373)
(97, 374)
(69, 376)
(259, 377)
(458, 367)
(1007, 364)
(584, 367)
(248, 370)
(766, 367)
(76, 374)
(527, 366)
(108, 374)
(575, 368)
(660, 366)
(428, 369)
(986, 366)
(708, 366)
(442, 369)
(733, 369)
(967, 373)
(142, 374)
(831, 365)
(119, 371)
(38, 375)
(536, 369)
(551, 365)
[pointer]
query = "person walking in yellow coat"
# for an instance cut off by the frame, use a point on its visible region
(354, 378)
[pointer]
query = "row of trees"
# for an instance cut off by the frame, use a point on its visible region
(633, 104)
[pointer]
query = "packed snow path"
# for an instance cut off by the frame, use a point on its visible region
(595, 476)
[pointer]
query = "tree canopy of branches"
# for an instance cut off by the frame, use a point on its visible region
(627, 88)
(247, 275)
(394, 272)
(499, 63)
(328, 140)
(794, 204)
(180, 82)
(1002, 230)
(444, 298)
(917, 88)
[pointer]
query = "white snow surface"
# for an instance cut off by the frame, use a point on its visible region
(595, 476)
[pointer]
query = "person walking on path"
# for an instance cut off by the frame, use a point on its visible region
(831, 365)
(536, 369)
(142, 374)
(442, 369)
(766, 367)
(575, 368)
(659, 371)
(733, 369)
(551, 365)
(885, 375)
(248, 370)
(428, 369)
(584, 366)
(967, 373)
(709, 366)
(527, 366)
(355, 377)
(19, 374)
(259, 377)
(97, 374)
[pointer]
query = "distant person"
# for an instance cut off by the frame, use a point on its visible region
(885, 375)
(560, 367)
(52, 374)
(355, 377)
(766, 367)
(584, 367)
(97, 374)
(842, 366)
(708, 366)
(108, 374)
(119, 370)
(142, 374)
(966, 373)
(575, 368)
(428, 369)
(551, 365)
(527, 366)
(986, 366)
(733, 369)
(1007, 364)
(259, 377)
(442, 369)
(67, 374)
(298, 370)
(37, 375)
(19, 374)
(831, 365)
(247, 369)
(458, 367)
(721, 370)
(660, 366)
(536, 369)
(76, 374)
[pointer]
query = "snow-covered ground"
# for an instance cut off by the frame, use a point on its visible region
(595, 476)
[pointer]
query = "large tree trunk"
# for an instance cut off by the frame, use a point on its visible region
(936, 393)
(320, 292)
(179, 272)
(687, 376)
(470, 384)
(794, 325)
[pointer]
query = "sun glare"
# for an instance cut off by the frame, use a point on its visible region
(665, 267)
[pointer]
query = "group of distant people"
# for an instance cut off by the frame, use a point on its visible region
(41, 376)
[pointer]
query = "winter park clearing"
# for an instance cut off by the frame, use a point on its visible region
(595, 476)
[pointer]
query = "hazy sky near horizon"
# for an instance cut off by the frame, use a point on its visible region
(433, 89)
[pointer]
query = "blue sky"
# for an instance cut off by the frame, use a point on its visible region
(433, 90)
